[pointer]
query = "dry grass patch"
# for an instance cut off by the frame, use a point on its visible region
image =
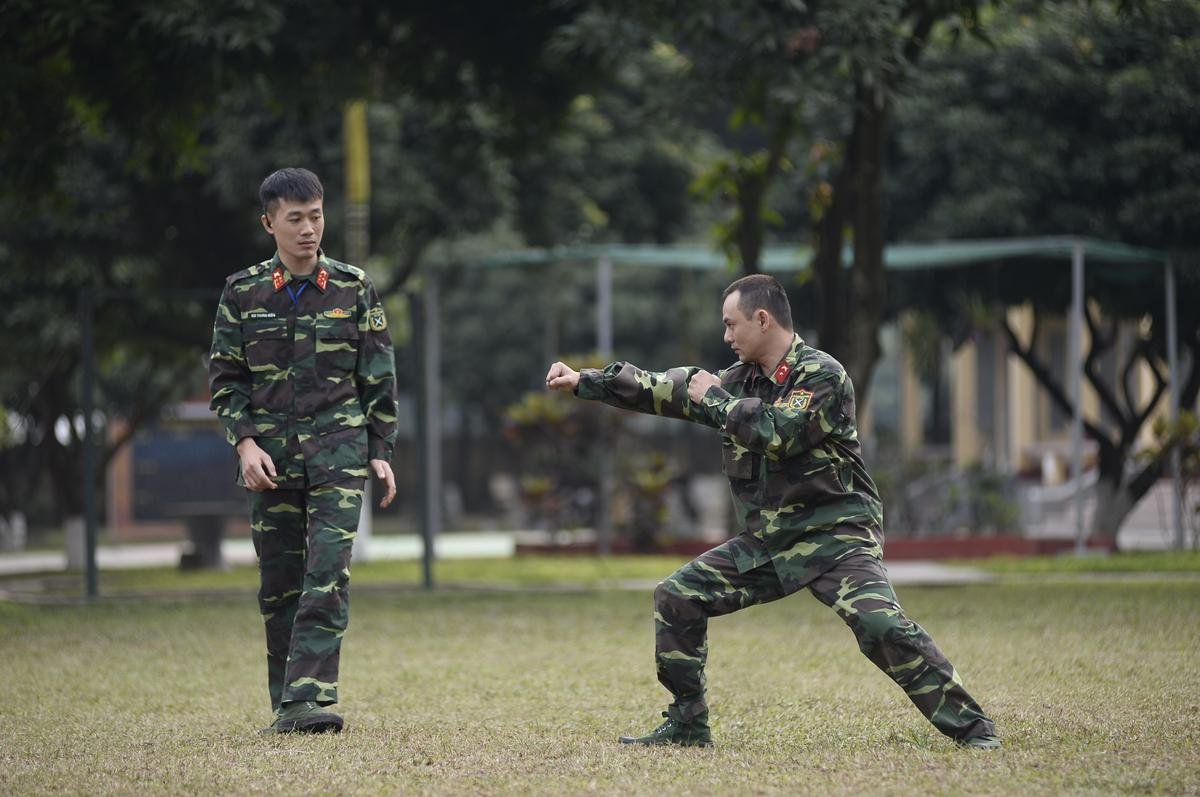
(1092, 686)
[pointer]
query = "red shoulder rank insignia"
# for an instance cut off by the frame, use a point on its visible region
(781, 373)
(277, 278)
(322, 277)
(799, 400)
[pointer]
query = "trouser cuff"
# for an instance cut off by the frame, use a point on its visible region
(688, 711)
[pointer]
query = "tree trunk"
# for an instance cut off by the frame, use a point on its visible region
(868, 278)
(829, 275)
(752, 195)
(852, 309)
(1114, 502)
(1117, 493)
(750, 225)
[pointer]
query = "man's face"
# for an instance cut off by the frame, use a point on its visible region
(297, 227)
(744, 335)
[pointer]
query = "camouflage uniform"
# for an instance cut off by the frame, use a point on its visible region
(810, 516)
(313, 380)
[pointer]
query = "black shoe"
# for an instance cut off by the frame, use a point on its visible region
(980, 742)
(687, 734)
(306, 717)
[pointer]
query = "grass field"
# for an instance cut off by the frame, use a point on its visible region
(553, 571)
(1092, 685)
(1133, 562)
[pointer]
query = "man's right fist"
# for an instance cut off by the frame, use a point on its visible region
(562, 377)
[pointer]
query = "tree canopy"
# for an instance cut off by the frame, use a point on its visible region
(1074, 119)
(134, 136)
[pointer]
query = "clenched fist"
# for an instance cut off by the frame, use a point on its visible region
(699, 384)
(562, 377)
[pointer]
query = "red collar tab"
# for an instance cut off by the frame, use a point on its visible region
(322, 277)
(781, 373)
(277, 278)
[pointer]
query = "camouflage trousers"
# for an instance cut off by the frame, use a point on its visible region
(303, 540)
(856, 588)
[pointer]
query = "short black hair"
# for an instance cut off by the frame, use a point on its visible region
(291, 185)
(761, 292)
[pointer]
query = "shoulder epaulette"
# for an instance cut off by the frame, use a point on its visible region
(735, 371)
(254, 270)
(353, 271)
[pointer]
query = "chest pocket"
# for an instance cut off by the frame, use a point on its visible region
(737, 462)
(265, 344)
(337, 347)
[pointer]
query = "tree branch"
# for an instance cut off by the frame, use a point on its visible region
(1101, 344)
(920, 36)
(1042, 373)
(1126, 375)
(1160, 383)
(408, 266)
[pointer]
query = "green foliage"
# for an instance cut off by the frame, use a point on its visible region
(564, 448)
(645, 481)
(922, 335)
(559, 444)
(1022, 567)
(132, 171)
(135, 134)
(1074, 119)
(985, 495)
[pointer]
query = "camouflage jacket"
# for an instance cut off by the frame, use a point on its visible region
(314, 381)
(802, 494)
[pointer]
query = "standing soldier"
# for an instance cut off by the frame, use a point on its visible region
(810, 514)
(303, 379)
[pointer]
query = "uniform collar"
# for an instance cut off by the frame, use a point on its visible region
(788, 363)
(280, 275)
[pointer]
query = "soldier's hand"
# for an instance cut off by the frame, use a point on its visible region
(562, 377)
(257, 468)
(699, 384)
(383, 471)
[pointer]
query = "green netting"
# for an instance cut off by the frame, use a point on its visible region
(783, 258)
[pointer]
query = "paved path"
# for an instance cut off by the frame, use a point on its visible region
(458, 545)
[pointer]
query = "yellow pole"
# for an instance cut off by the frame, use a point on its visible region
(358, 158)
(358, 245)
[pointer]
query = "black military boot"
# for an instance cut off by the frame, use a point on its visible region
(980, 743)
(306, 716)
(694, 733)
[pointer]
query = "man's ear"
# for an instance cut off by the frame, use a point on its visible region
(763, 318)
(266, 223)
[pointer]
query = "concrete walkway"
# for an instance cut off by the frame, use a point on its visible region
(457, 545)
